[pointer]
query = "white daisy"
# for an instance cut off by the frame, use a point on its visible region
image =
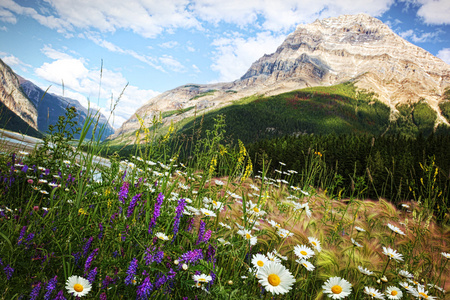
(356, 243)
(406, 286)
(259, 260)
(373, 293)
(283, 233)
(248, 236)
(337, 288)
(303, 252)
(162, 236)
(309, 266)
(202, 278)
(78, 286)
(359, 229)
(273, 257)
(364, 271)
(316, 243)
(224, 225)
(421, 293)
(393, 293)
(405, 274)
(446, 255)
(274, 224)
(392, 254)
(275, 278)
(207, 212)
(395, 229)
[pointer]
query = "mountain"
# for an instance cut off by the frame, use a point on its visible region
(51, 106)
(15, 102)
(356, 48)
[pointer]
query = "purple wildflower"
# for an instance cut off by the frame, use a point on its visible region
(103, 296)
(131, 272)
(210, 254)
(132, 205)
(89, 260)
(22, 233)
(60, 296)
(91, 275)
(108, 281)
(156, 212)
(190, 224)
(35, 292)
(77, 257)
(8, 272)
(207, 236)
(156, 257)
(179, 214)
(51, 286)
(25, 168)
(123, 192)
(100, 235)
(87, 246)
(192, 256)
(201, 232)
(144, 290)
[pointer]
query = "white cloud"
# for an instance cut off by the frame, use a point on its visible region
(444, 54)
(13, 61)
(168, 45)
(83, 84)
(172, 63)
(3, 28)
(434, 11)
(234, 55)
(421, 37)
(54, 54)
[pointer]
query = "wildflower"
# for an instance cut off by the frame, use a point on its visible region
(123, 192)
(218, 182)
(356, 243)
(395, 229)
(202, 278)
(446, 255)
(392, 254)
(259, 260)
(248, 236)
(275, 278)
(421, 293)
(405, 285)
(8, 271)
(192, 256)
(224, 225)
(162, 236)
(35, 292)
(207, 212)
(179, 213)
(91, 275)
(393, 293)
(131, 272)
(359, 229)
(364, 271)
(303, 252)
(87, 246)
(337, 288)
(273, 257)
(274, 224)
(405, 274)
(132, 205)
(145, 289)
(316, 243)
(184, 267)
(51, 286)
(309, 266)
(283, 233)
(156, 212)
(201, 232)
(78, 286)
(89, 260)
(153, 256)
(373, 293)
(60, 296)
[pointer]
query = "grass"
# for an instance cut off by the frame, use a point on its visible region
(156, 227)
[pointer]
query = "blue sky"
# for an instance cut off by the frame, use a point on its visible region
(154, 46)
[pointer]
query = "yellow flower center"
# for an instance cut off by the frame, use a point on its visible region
(260, 263)
(247, 236)
(202, 279)
(336, 289)
(304, 264)
(255, 209)
(214, 202)
(303, 252)
(394, 293)
(423, 295)
(206, 213)
(78, 287)
(314, 243)
(273, 279)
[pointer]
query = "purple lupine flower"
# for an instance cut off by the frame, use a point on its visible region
(35, 292)
(156, 212)
(132, 205)
(89, 260)
(103, 296)
(107, 281)
(177, 218)
(131, 272)
(60, 296)
(51, 286)
(150, 256)
(22, 233)
(77, 257)
(190, 224)
(210, 254)
(100, 235)
(25, 168)
(192, 256)
(123, 192)
(91, 275)
(8, 272)
(144, 290)
(207, 236)
(213, 276)
(87, 246)
(201, 232)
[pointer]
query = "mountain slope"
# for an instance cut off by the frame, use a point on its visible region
(51, 106)
(14, 100)
(355, 48)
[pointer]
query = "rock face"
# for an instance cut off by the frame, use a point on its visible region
(356, 48)
(13, 98)
(50, 107)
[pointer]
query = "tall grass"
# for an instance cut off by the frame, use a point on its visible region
(156, 227)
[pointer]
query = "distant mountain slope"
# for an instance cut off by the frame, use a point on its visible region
(356, 48)
(14, 99)
(50, 107)
(10, 121)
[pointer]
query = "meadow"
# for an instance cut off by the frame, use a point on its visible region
(153, 226)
